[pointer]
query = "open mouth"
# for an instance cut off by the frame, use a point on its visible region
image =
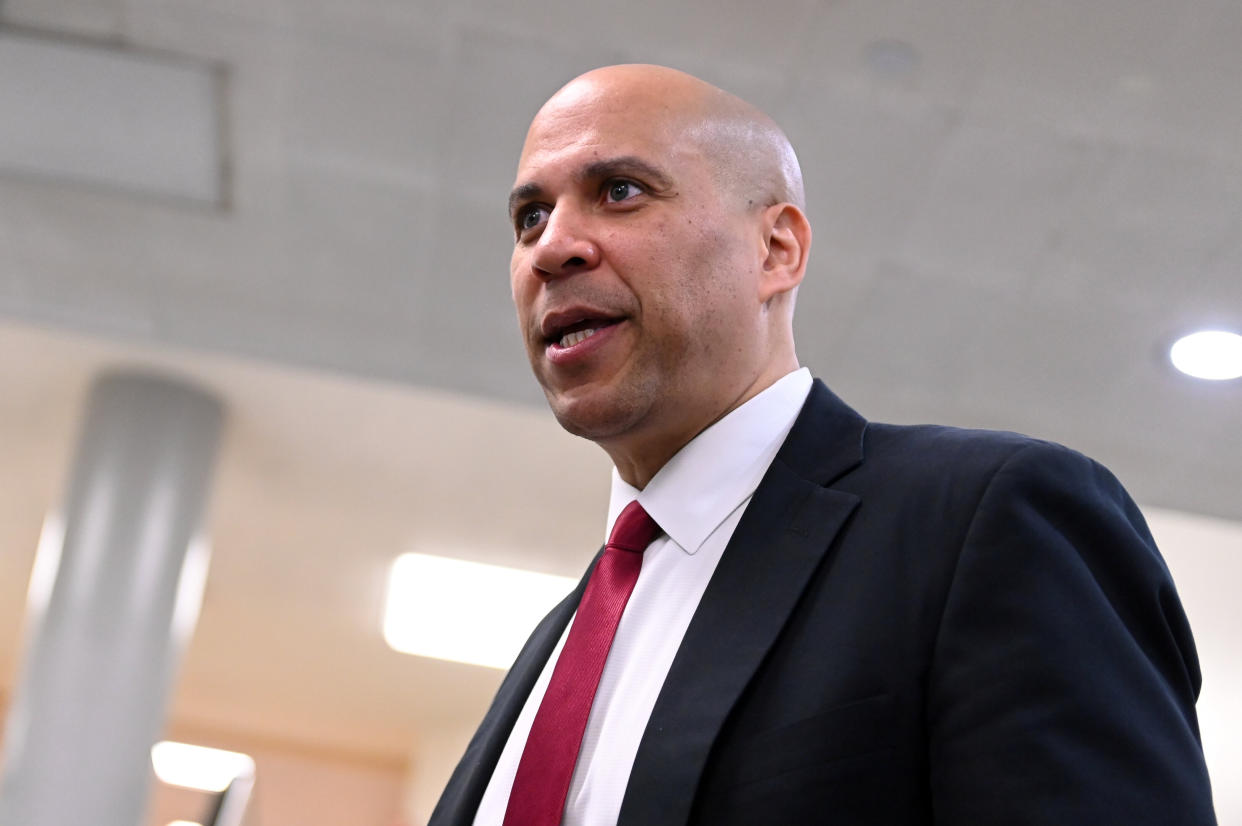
(578, 332)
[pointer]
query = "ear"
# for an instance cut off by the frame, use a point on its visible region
(787, 237)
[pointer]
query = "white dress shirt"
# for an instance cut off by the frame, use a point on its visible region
(697, 498)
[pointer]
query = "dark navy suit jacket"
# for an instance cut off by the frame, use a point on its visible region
(913, 625)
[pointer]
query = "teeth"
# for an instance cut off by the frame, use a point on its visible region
(570, 339)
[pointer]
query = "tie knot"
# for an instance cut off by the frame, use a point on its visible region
(634, 529)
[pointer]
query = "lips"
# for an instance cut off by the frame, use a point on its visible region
(577, 333)
(575, 338)
(568, 328)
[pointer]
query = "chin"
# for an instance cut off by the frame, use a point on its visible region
(597, 418)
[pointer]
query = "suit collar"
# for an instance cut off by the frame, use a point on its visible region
(826, 440)
(781, 541)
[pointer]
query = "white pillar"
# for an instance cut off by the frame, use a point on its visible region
(101, 653)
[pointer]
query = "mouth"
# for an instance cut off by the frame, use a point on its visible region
(576, 338)
(568, 329)
(575, 334)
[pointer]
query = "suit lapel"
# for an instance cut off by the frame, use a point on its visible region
(778, 545)
(460, 800)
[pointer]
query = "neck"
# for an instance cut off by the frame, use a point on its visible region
(638, 457)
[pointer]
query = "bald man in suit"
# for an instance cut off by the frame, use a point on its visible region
(840, 621)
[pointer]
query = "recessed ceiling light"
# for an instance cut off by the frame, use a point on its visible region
(466, 612)
(198, 767)
(1210, 354)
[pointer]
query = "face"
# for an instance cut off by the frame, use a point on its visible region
(635, 276)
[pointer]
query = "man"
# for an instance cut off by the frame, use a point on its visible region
(837, 621)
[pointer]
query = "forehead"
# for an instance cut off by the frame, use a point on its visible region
(568, 135)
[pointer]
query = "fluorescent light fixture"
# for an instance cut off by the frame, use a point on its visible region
(1211, 354)
(466, 612)
(184, 823)
(198, 767)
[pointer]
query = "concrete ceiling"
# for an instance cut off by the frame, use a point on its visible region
(1017, 206)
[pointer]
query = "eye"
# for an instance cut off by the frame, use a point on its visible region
(620, 190)
(529, 217)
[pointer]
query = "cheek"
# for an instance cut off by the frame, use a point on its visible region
(686, 271)
(710, 301)
(519, 287)
(707, 266)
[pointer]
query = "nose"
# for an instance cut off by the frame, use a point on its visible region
(564, 247)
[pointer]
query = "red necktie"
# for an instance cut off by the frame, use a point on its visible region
(547, 764)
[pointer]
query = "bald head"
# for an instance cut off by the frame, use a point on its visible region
(659, 240)
(747, 151)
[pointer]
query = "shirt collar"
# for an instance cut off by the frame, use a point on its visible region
(720, 468)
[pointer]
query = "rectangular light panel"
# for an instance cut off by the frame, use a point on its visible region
(104, 116)
(199, 767)
(466, 612)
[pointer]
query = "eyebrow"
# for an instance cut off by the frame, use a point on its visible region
(523, 193)
(598, 171)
